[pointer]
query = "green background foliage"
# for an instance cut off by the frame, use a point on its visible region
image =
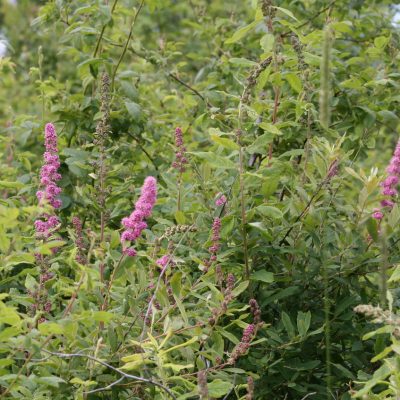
(298, 238)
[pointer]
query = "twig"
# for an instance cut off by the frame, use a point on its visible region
(126, 45)
(105, 302)
(102, 31)
(106, 387)
(303, 212)
(196, 92)
(137, 140)
(316, 15)
(27, 360)
(308, 395)
(158, 285)
(74, 295)
(124, 374)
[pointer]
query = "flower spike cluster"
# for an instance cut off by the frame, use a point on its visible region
(389, 184)
(135, 224)
(180, 159)
(49, 177)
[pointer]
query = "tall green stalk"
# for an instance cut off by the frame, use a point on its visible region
(327, 331)
(324, 96)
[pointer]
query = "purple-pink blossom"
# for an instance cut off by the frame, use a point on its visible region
(389, 185)
(164, 260)
(180, 158)
(221, 200)
(378, 214)
(48, 182)
(135, 224)
(213, 249)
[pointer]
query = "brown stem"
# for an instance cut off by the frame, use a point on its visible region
(74, 296)
(126, 45)
(110, 283)
(102, 31)
(243, 210)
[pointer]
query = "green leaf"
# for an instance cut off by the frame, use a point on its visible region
(215, 160)
(224, 142)
(240, 288)
(267, 127)
(267, 42)
(395, 277)
(177, 367)
(241, 33)
(381, 41)
(11, 185)
(287, 323)
(4, 241)
(180, 217)
(52, 381)
(230, 336)
(51, 328)
(294, 82)
(176, 283)
(269, 211)
(134, 109)
(218, 388)
(262, 276)
(260, 145)
(178, 346)
(303, 322)
(287, 12)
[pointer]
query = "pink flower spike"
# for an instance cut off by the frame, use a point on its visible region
(135, 224)
(48, 177)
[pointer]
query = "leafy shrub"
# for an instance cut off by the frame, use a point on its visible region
(260, 133)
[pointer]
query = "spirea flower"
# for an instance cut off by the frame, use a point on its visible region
(180, 158)
(389, 185)
(135, 224)
(164, 261)
(49, 177)
(221, 200)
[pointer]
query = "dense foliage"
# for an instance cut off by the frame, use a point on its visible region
(191, 201)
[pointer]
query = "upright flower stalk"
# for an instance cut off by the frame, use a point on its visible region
(389, 185)
(102, 132)
(213, 249)
(180, 160)
(48, 222)
(135, 223)
(50, 191)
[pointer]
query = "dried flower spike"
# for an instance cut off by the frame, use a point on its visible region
(180, 158)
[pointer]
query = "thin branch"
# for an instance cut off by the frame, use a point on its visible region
(316, 15)
(106, 387)
(308, 395)
(158, 285)
(137, 140)
(126, 45)
(124, 374)
(102, 31)
(303, 212)
(196, 92)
